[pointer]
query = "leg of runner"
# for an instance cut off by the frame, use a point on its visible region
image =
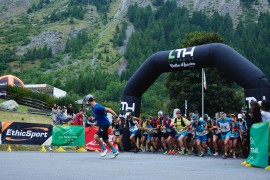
(133, 142)
(181, 144)
(115, 152)
(226, 147)
(163, 141)
(215, 144)
(169, 143)
(234, 147)
(199, 147)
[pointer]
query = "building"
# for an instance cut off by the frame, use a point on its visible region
(47, 89)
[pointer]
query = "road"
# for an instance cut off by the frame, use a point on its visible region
(72, 165)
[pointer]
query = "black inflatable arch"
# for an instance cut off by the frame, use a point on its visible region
(234, 65)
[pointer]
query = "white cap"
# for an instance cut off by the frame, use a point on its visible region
(160, 112)
(89, 96)
(239, 116)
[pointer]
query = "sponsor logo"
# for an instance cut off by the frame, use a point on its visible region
(27, 134)
(126, 108)
(94, 143)
(69, 136)
(181, 58)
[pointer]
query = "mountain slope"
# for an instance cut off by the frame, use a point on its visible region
(22, 32)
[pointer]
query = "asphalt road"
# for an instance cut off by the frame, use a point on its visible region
(140, 166)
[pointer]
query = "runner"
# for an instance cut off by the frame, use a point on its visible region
(181, 125)
(150, 139)
(200, 128)
(234, 134)
(216, 135)
(243, 135)
(133, 125)
(164, 135)
(143, 123)
(224, 126)
(153, 132)
(103, 125)
(209, 135)
(117, 131)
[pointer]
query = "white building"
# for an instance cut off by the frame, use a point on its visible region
(47, 89)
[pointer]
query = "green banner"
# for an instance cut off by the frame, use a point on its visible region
(259, 136)
(68, 136)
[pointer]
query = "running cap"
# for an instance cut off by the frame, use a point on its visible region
(63, 107)
(194, 116)
(89, 97)
(160, 112)
(239, 116)
(222, 114)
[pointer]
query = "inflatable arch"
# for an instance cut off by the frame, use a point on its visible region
(226, 59)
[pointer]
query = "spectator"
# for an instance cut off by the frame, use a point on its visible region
(265, 108)
(70, 111)
(78, 120)
(90, 122)
(255, 111)
(61, 118)
(54, 112)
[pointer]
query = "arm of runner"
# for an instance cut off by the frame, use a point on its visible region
(112, 112)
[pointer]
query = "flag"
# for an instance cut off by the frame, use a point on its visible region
(204, 80)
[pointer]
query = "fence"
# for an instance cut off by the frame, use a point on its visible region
(27, 101)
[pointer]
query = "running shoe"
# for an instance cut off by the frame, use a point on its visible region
(201, 154)
(182, 152)
(224, 156)
(165, 152)
(234, 156)
(216, 153)
(170, 152)
(136, 150)
(208, 151)
(104, 153)
(114, 155)
(50, 149)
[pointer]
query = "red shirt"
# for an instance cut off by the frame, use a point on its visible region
(78, 120)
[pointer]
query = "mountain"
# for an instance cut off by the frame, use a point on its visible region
(43, 39)
(237, 9)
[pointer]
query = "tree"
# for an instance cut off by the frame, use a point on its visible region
(221, 94)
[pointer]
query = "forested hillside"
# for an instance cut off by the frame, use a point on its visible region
(74, 44)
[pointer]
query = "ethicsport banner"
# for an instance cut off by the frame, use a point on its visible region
(25, 133)
(68, 136)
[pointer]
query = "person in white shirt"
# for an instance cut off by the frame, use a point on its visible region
(265, 108)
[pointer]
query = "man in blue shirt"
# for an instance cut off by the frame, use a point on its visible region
(61, 118)
(103, 125)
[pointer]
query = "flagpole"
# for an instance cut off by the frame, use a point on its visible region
(202, 92)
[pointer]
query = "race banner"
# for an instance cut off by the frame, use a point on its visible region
(91, 144)
(68, 136)
(25, 133)
(259, 139)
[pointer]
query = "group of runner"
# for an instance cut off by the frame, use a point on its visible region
(225, 134)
